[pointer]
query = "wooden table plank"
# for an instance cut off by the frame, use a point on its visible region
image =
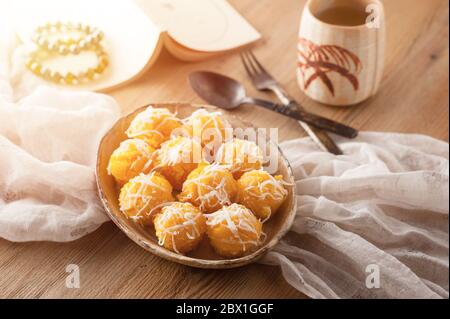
(413, 99)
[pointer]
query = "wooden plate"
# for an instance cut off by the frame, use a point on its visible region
(203, 256)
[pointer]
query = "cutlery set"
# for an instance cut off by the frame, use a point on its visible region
(227, 93)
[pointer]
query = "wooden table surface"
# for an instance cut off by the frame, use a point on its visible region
(413, 99)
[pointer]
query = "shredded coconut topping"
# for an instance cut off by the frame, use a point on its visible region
(238, 152)
(237, 219)
(144, 152)
(189, 224)
(171, 154)
(211, 195)
(269, 188)
(145, 191)
(152, 117)
(209, 120)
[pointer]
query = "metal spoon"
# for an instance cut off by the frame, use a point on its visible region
(227, 93)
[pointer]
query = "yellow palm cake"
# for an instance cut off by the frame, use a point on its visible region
(209, 128)
(142, 197)
(240, 156)
(261, 192)
(177, 158)
(209, 187)
(180, 227)
(234, 231)
(154, 125)
(133, 157)
(228, 201)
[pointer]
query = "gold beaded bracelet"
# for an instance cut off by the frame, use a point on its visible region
(44, 34)
(35, 65)
(90, 41)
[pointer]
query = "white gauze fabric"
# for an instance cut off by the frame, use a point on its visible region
(380, 209)
(48, 149)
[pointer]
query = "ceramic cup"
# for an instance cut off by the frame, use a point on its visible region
(341, 64)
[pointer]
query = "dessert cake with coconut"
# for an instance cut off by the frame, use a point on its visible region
(209, 128)
(131, 158)
(140, 198)
(261, 192)
(154, 125)
(240, 156)
(160, 159)
(177, 158)
(209, 187)
(234, 231)
(180, 227)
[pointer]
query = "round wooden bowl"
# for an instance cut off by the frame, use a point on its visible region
(203, 256)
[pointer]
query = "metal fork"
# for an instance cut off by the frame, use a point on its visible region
(263, 81)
